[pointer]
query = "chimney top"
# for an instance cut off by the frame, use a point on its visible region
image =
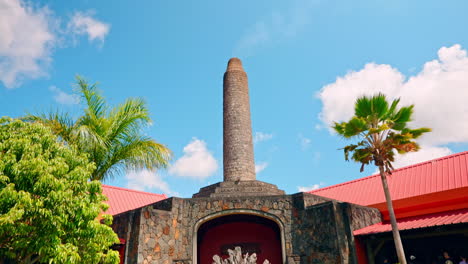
(234, 64)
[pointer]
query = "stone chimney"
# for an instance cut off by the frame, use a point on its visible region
(238, 157)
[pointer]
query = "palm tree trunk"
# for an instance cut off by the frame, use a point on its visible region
(393, 222)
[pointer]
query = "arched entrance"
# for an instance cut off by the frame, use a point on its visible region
(254, 234)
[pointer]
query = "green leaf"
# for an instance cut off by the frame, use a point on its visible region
(375, 106)
(48, 208)
(111, 137)
(392, 109)
(354, 127)
(382, 130)
(339, 127)
(419, 132)
(402, 117)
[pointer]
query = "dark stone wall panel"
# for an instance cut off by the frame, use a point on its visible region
(314, 229)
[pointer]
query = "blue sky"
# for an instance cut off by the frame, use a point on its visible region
(307, 61)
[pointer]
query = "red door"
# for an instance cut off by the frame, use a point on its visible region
(253, 234)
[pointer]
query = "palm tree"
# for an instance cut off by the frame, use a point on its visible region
(112, 137)
(380, 129)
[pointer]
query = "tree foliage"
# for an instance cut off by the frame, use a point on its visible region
(382, 130)
(112, 137)
(48, 208)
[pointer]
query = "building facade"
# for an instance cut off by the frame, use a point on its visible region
(342, 224)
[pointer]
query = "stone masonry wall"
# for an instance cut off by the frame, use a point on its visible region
(361, 216)
(315, 229)
(314, 235)
(127, 226)
(167, 235)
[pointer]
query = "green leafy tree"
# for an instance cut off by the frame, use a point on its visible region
(381, 130)
(112, 137)
(49, 209)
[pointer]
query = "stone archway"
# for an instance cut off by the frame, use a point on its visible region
(253, 233)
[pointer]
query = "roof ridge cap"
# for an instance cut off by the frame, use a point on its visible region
(131, 190)
(399, 169)
(432, 160)
(345, 183)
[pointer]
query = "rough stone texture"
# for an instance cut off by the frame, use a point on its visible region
(361, 216)
(238, 157)
(315, 229)
(239, 188)
(127, 226)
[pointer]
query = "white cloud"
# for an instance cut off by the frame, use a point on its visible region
(277, 26)
(197, 161)
(26, 40)
(260, 136)
(62, 97)
(424, 154)
(338, 98)
(310, 188)
(145, 180)
(85, 24)
(259, 167)
(29, 34)
(439, 92)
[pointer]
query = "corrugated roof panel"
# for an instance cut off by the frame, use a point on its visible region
(445, 174)
(464, 169)
(437, 219)
(437, 175)
(121, 200)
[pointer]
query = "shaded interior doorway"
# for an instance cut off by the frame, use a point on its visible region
(254, 234)
(426, 244)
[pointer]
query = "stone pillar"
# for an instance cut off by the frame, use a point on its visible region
(238, 157)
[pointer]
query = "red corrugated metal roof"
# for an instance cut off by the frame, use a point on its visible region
(121, 200)
(437, 219)
(446, 173)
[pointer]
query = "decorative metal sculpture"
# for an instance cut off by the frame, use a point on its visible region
(235, 257)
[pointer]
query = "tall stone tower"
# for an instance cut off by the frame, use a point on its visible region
(241, 211)
(238, 156)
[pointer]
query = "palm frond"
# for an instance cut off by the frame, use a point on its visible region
(379, 105)
(339, 128)
(349, 149)
(147, 153)
(419, 132)
(354, 127)
(87, 138)
(60, 123)
(375, 106)
(95, 103)
(402, 117)
(363, 107)
(137, 153)
(112, 139)
(407, 147)
(128, 117)
(383, 130)
(392, 109)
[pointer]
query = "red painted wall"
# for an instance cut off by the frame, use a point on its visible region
(360, 251)
(221, 234)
